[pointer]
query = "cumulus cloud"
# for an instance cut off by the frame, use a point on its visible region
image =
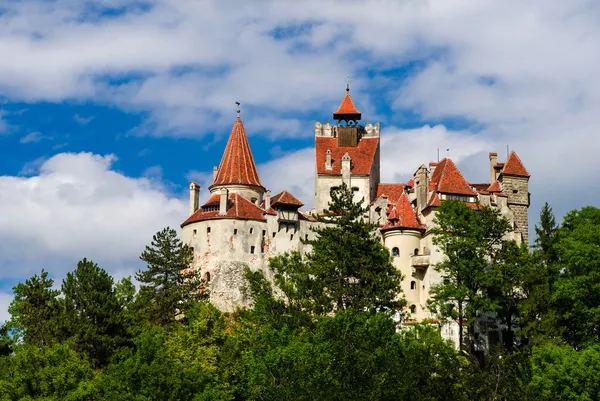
(79, 206)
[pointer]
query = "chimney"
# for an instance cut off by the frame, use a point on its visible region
(432, 166)
(267, 200)
(215, 171)
(223, 202)
(328, 160)
(421, 185)
(493, 161)
(346, 164)
(194, 197)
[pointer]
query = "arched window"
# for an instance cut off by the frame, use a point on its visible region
(395, 251)
(416, 251)
(413, 309)
(413, 285)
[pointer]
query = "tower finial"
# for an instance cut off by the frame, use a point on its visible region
(348, 82)
(238, 106)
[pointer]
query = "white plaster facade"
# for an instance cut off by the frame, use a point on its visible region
(224, 245)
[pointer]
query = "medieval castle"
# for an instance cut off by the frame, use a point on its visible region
(243, 224)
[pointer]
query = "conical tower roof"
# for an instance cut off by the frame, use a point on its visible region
(237, 165)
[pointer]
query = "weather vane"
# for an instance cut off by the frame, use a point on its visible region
(238, 106)
(348, 82)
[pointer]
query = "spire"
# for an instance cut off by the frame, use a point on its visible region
(347, 111)
(237, 165)
(514, 166)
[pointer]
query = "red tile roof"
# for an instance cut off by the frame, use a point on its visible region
(237, 165)
(362, 155)
(285, 198)
(403, 216)
(411, 183)
(347, 108)
(480, 188)
(238, 208)
(495, 187)
(514, 166)
(392, 191)
(195, 184)
(448, 179)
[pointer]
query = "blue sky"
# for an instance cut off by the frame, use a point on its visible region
(108, 108)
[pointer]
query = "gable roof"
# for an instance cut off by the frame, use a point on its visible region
(495, 187)
(514, 166)
(285, 198)
(347, 108)
(392, 191)
(238, 208)
(403, 216)
(447, 179)
(362, 155)
(237, 165)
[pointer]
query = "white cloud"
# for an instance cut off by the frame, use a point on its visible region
(82, 120)
(78, 206)
(32, 137)
(5, 300)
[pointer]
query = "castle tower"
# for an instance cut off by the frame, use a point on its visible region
(237, 171)
(515, 184)
(346, 153)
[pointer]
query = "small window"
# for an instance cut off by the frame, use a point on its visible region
(306, 237)
(354, 189)
(515, 191)
(252, 249)
(395, 252)
(207, 277)
(274, 233)
(413, 285)
(416, 251)
(208, 230)
(253, 200)
(195, 232)
(291, 237)
(413, 309)
(251, 230)
(235, 231)
(264, 233)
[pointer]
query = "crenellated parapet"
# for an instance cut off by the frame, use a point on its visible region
(328, 130)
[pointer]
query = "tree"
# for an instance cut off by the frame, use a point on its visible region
(503, 284)
(347, 267)
(536, 311)
(169, 285)
(93, 317)
(34, 310)
(576, 292)
(471, 239)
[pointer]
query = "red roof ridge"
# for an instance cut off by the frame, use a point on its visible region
(405, 215)
(514, 166)
(237, 164)
(238, 208)
(495, 187)
(286, 198)
(447, 178)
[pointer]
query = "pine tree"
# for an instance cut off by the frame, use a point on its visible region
(92, 314)
(34, 310)
(169, 285)
(348, 267)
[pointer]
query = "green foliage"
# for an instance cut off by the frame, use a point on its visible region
(576, 297)
(562, 373)
(348, 267)
(92, 315)
(154, 372)
(34, 311)
(54, 372)
(536, 311)
(471, 239)
(168, 286)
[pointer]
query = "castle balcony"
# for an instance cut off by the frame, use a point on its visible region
(420, 262)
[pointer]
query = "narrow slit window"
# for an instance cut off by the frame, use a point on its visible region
(252, 249)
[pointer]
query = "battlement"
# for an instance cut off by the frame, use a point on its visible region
(328, 130)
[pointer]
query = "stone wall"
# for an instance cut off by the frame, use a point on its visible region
(517, 189)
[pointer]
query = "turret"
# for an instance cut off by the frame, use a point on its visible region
(515, 184)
